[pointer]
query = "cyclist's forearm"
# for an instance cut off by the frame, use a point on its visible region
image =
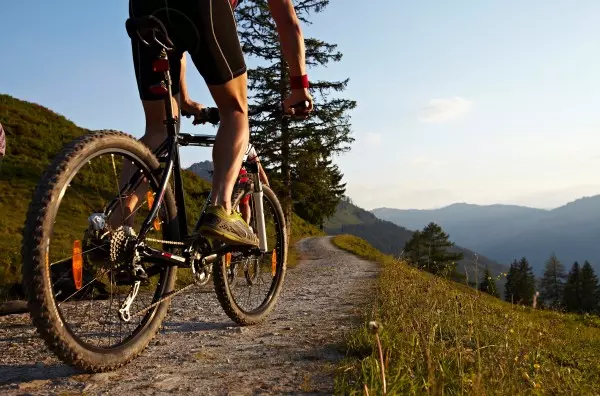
(182, 83)
(290, 35)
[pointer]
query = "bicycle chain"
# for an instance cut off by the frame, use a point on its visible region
(170, 295)
(165, 242)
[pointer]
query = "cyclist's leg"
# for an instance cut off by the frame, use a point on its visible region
(232, 137)
(155, 133)
(220, 60)
(154, 106)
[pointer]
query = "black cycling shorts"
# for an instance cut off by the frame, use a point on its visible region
(204, 28)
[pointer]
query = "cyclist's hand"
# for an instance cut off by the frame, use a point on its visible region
(191, 107)
(298, 96)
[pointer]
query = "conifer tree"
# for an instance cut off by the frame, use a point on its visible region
(488, 284)
(283, 143)
(520, 283)
(429, 250)
(511, 281)
(589, 288)
(573, 292)
(552, 283)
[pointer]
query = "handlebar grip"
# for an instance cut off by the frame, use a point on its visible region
(300, 109)
(207, 114)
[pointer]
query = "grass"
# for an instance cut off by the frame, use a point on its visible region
(442, 337)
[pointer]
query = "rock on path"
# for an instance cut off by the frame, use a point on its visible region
(201, 351)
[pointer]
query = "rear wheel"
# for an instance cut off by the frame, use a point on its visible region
(254, 297)
(74, 275)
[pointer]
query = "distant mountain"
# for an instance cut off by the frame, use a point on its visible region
(390, 238)
(507, 232)
(202, 169)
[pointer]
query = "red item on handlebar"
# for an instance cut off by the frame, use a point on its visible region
(299, 82)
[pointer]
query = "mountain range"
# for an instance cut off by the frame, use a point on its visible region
(508, 232)
(390, 238)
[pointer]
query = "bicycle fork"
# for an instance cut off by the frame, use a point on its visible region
(259, 213)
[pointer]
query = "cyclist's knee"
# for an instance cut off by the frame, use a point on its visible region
(232, 97)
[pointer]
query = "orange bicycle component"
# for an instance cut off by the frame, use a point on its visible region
(77, 264)
(273, 262)
(150, 200)
(227, 259)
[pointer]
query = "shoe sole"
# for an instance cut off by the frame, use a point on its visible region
(226, 237)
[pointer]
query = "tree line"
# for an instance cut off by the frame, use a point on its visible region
(576, 291)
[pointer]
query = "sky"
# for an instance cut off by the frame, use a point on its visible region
(465, 101)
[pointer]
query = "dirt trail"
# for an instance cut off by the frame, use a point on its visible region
(201, 351)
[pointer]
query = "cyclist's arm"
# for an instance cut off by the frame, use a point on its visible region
(290, 35)
(182, 83)
(187, 103)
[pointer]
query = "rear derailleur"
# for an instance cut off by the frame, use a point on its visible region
(124, 259)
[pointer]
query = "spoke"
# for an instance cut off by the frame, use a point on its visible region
(83, 287)
(135, 210)
(70, 257)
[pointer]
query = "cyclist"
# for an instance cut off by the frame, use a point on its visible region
(207, 30)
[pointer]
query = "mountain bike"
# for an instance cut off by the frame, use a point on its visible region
(124, 267)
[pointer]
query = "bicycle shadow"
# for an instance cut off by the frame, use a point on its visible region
(17, 374)
(193, 326)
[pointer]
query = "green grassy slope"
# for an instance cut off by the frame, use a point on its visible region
(34, 135)
(442, 337)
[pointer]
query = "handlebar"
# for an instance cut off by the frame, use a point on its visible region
(211, 114)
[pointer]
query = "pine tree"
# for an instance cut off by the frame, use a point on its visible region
(511, 281)
(573, 292)
(428, 249)
(553, 283)
(526, 285)
(413, 250)
(589, 288)
(520, 283)
(488, 284)
(317, 188)
(282, 143)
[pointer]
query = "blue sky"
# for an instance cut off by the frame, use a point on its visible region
(463, 101)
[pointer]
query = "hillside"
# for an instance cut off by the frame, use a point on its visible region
(34, 134)
(441, 337)
(390, 238)
(507, 232)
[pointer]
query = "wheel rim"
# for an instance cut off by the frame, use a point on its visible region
(65, 306)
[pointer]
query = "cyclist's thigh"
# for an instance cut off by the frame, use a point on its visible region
(143, 56)
(218, 54)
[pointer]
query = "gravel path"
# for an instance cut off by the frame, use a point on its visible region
(201, 351)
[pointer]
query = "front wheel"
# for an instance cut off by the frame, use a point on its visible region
(252, 301)
(74, 273)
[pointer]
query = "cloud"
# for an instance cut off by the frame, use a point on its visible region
(440, 110)
(424, 161)
(373, 139)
